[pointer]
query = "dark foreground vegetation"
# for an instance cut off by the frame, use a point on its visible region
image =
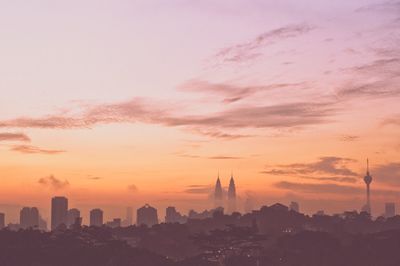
(272, 236)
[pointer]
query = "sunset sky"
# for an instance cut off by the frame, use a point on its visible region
(120, 103)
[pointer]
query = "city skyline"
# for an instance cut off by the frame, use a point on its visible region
(222, 199)
(123, 103)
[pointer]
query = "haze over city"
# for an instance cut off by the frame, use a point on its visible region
(116, 104)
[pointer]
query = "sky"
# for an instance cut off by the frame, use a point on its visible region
(121, 103)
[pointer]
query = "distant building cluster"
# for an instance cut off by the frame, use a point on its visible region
(219, 199)
(63, 217)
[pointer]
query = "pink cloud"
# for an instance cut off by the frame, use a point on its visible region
(14, 137)
(32, 149)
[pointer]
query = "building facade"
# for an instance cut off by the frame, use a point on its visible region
(147, 215)
(29, 218)
(59, 212)
(96, 217)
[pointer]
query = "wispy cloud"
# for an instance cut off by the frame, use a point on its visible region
(133, 188)
(393, 120)
(380, 78)
(318, 188)
(94, 177)
(32, 149)
(330, 188)
(198, 189)
(217, 134)
(275, 116)
(232, 93)
(388, 6)
(387, 173)
(325, 165)
(212, 124)
(339, 179)
(221, 157)
(252, 49)
(14, 137)
(52, 182)
(349, 138)
(215, 157)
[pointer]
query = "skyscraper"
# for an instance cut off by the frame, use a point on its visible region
(390, 209)
(173, 216)
(73, 216)
(147, 215)
(218, 195)
(59, 210)
(231, 195)
(96, 217)
(368, 180)
(2, 221)
(29, 218)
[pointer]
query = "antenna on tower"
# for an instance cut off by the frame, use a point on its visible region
(367, 166)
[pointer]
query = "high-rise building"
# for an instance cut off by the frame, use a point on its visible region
(231, 195)
(29, 218)
(367, 180)
(2, 221)
(73, 217)
(96, 217)
(173, 216)
(147, 215)
(59, 210)
(218, 194)
(390, 209)
(294, 206)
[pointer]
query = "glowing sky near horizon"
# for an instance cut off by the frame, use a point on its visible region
(122, 103)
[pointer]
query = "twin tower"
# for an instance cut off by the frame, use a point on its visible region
(219, 198)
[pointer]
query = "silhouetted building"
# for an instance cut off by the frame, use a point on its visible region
(218, 194)
(116, 222)
(59, 210)
(367, 180)
(96, 217)
(390, 209)
(294, 206)
(173, 216)
(320, 213)
(29, 218)
(205, 214)
(73, 217)
(13, 227)
(2, 221)
(231, 196)
(147, 215)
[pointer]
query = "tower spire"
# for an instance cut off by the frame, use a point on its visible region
(368, 180)
(218, 191)
(232, 195)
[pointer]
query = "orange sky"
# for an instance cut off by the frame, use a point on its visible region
(120, 104)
